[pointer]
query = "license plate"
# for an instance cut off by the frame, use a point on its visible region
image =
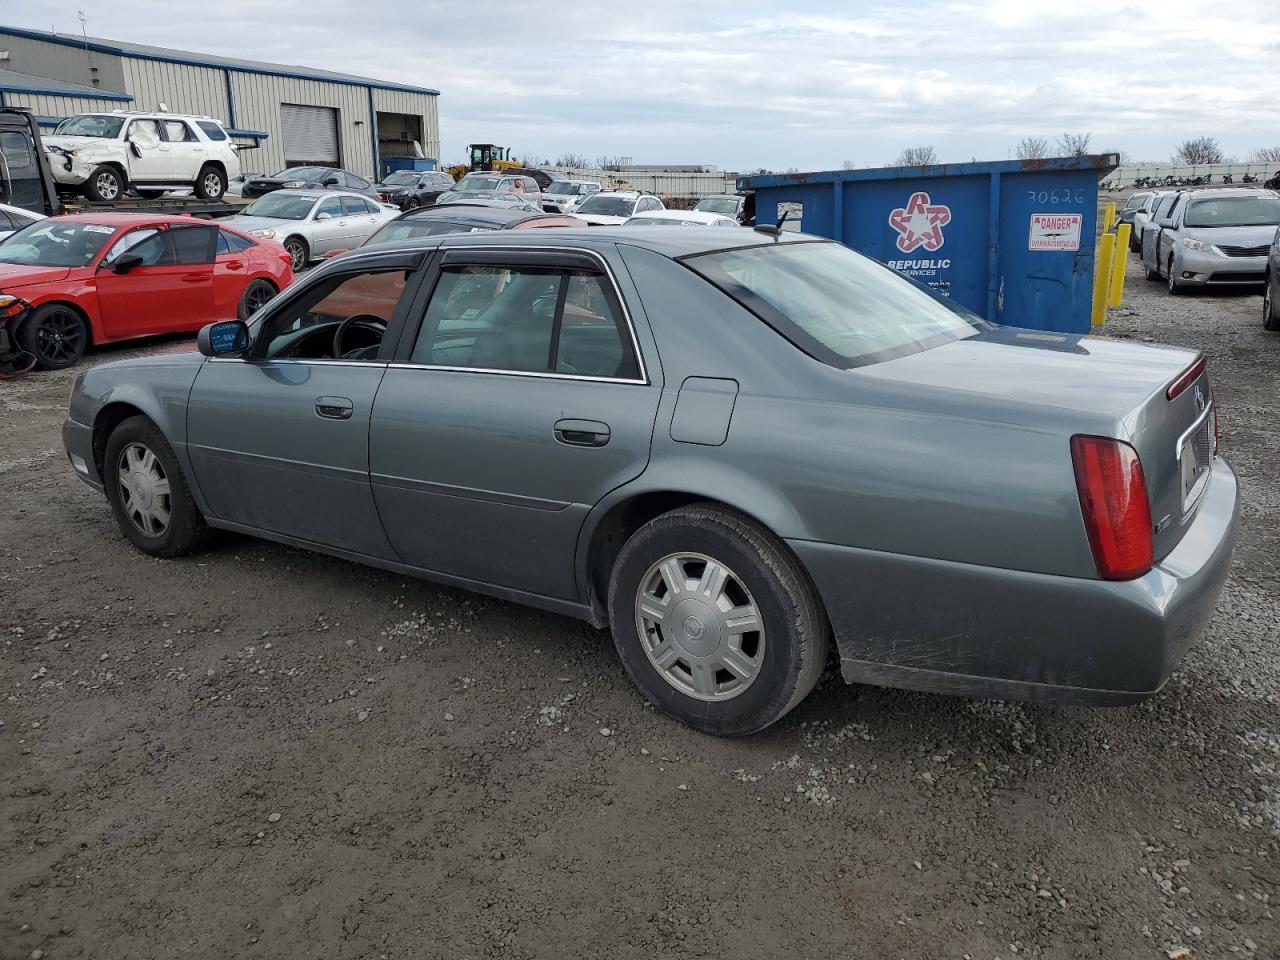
(1195, 459)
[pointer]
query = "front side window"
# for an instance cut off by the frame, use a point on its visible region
(145, 130)
(307, 326)
(127, 242)
(176, 247)
(16, 150)
(836, 305)
(56, 243)
(524, 319)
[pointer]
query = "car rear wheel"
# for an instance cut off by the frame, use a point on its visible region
(299, 255)
(148, 493)
(255, 297)
(105, 184)
(210, 184)
(1270, 309)
(715, 620)
(56, 335)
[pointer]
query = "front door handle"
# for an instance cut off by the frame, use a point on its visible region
(333, 408)
(582, 433)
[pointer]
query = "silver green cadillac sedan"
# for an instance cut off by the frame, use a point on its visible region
(735, 452)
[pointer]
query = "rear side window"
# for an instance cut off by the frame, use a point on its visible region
(525, 319)
(211, 130)
(354, 206)
(836, 305)
(178, 132)
(231, 243)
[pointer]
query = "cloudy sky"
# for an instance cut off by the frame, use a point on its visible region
(745, 84)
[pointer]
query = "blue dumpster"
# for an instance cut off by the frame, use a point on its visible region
(417, 164)
(1011, 240)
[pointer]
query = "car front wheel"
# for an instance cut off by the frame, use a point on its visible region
(299, 255)
(210, 184)
(148, 493)
(1175, 288)
(715, 620)
(1270, 309)
(105, 184)
(56, 335)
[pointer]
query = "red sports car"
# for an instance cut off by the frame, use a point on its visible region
(70, 282)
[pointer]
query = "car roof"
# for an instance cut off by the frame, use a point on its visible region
(661, 240)
(127, 219)
(143, 115)
(1222, 192)
(479, 214)
(315, 194)
(620, 193)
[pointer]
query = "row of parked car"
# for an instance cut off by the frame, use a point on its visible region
(1211, 237)
(71, 282)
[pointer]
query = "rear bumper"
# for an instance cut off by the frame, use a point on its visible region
(77, 440)
(981, 631)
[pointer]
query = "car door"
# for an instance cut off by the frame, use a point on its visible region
(518, 401)
(231, 270)
(1151, 233)
(1167, 235)
(186, 153)
(169, 291)
(362, 218)
(149, 157)
(279, 439)
(329, 228)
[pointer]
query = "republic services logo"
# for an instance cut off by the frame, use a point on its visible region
(920, 223)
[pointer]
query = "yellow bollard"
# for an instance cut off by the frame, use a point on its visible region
(1108, 217)
(1119, 261)
(1102, 277)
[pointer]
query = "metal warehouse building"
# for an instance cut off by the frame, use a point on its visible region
(293, 115)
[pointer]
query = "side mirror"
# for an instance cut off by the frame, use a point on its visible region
(135, 149)
(126, 262)
(323, 215)
(330, 181)
(223, 339)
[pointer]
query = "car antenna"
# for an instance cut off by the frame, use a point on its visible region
(774, 229)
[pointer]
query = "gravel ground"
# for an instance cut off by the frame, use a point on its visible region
(261, 752)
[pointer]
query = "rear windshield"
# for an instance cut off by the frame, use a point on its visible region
(725, 205)
(564, 186)
(408, 229)
(56, 243)
(478, 183)
(607, 206)
(834, 304)
(1233, 212)
(1137, 200)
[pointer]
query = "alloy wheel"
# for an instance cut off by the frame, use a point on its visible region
(212, 184)
(296, 254)
(59, 339)
(700, 627)
(107, 185)
(257, 296)
(144, 490)
(1268, 318)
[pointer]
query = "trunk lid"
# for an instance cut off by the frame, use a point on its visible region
(1117, 388)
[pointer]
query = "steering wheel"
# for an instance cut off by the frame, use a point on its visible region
(367, 320)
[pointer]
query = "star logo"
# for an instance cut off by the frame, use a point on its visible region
(920, 223)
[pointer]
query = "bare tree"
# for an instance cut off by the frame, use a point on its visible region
(1033, 148)
(609, 163)
(1265, 155)
(916, 157)
(572, 160)
(848, 165)
(1074, 144)
(1199, 150)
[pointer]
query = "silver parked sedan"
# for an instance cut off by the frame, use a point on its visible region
(1211, 238)
(734, 451)
(311, 224)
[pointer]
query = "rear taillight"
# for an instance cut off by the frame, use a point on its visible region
(1113, 498)
(1185, 379)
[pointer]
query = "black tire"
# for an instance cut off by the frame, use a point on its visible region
(56, 335)
(211, 183)
(1135, 242)
(1270, 308)
(255, 295)
(105, 184)
(795, 637)
(299, 252)
(185, 530)
(1175, 288)
(410, 203)
(150, 194)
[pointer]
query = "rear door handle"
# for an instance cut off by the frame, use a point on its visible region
(333, 408)
(582, 433)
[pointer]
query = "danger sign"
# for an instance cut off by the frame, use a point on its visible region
(1055, 231)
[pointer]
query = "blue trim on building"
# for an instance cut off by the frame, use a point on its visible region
(49, 92)
(249, 134)
(195, 61)
(231, 100)
(373, 135)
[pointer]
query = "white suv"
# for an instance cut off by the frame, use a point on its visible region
(104, 154)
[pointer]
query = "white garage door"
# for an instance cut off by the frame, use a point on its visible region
(310, 134)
